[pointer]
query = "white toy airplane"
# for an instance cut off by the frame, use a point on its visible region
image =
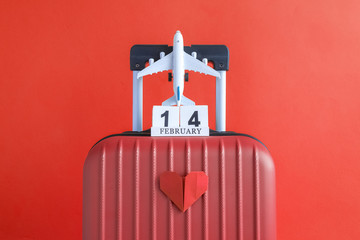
(178, 61)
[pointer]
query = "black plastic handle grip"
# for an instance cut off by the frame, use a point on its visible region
(217, 54)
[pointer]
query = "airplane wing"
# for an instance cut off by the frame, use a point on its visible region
(192, 64)
(163, 64)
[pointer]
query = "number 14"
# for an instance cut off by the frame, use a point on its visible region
(194, 119)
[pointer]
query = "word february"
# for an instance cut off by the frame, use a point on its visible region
(179, 131)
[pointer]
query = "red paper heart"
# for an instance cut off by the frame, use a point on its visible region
(183, 191)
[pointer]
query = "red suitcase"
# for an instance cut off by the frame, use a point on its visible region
(122, 198)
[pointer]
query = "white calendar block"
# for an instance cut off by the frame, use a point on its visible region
(194, 116)
(180, 121)
(165, 116)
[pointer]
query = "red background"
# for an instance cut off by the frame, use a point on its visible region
(294, 83)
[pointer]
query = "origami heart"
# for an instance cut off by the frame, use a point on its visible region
(183, 191)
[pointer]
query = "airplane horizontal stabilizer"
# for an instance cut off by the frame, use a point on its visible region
(186, 102)
(169, 102)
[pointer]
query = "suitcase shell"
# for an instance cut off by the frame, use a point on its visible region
(122, 197)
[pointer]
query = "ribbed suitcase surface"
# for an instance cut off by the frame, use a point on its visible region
(122, 197)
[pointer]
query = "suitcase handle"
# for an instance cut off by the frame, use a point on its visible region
(218, 54)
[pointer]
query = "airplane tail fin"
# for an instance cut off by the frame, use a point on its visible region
(184, 101)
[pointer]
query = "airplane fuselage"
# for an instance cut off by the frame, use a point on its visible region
(178, 66)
